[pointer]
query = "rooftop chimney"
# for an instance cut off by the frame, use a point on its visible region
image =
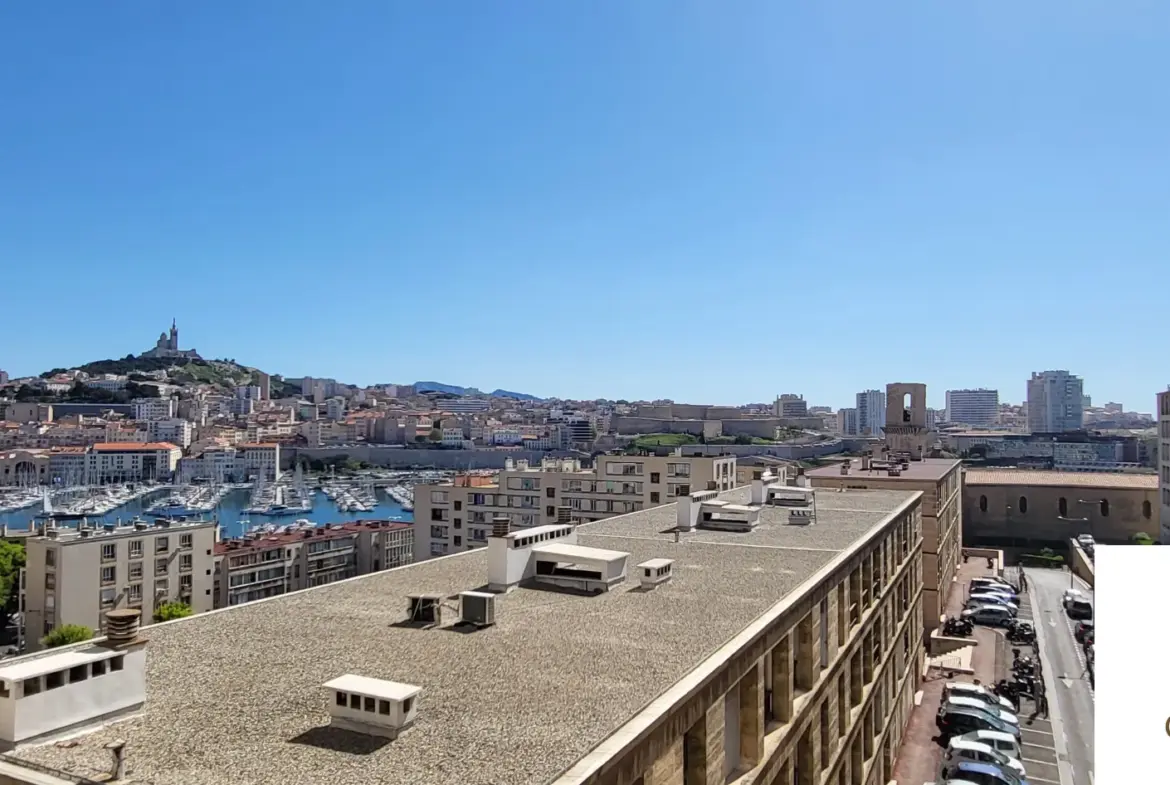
(845, 467)
(501, 525)
(122, 626)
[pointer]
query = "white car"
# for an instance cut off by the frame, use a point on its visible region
(998, 740)
(973, 703)
(962, 689)
(961, 749)
(977, 600)
(1071, 595)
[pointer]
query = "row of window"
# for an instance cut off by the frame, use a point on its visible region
(1062, 506)
(110, 574)
(372, 705)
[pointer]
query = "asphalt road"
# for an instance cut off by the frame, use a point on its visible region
(1064, 663)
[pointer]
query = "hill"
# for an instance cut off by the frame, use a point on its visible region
(454, 389)
(224, 373)
(514, 395)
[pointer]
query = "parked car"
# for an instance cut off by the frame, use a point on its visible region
(978, 752)
(1002, 742)
(998, 584)
(1003, 715)
(1070, 595)
(957, 721)
(1079, 609)
(962, 689)
(980, 774)
(975, 600)
(1083, 629)
(988, 615)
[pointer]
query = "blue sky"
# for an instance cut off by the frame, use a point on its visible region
(624, 199)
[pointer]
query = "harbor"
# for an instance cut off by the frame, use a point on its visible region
(239, 508)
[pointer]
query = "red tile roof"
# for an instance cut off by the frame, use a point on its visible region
(265, 542)
(133, 446)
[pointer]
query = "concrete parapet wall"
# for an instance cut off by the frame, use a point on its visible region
(1081, 564)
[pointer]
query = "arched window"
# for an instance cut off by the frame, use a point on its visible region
(1105, 508)
(982, 504)
(1063, 507)
(1023, 504)
(1146, 511)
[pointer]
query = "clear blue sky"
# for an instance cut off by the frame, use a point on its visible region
(624, 199)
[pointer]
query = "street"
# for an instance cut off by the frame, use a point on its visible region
(1071, 699)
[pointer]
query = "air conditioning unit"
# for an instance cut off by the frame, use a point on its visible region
(424, 608)
(478, 608)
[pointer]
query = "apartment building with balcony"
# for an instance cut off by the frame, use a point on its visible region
(73, 576)
(457, 515)
(266, 565)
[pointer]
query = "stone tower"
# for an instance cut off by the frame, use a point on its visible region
(906, 430)
(174, 342)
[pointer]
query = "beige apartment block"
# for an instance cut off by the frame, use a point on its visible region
(787, 654)
(73, 576)
(940, 483)
(266, 565)
(457, 515)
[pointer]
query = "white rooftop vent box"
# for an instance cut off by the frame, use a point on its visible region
(375, 707)
(576, 567)
(654, 572)
(800, 517)
(424, 608)
(478, 608)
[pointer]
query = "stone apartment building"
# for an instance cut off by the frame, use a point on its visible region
(73, 576)
(457, 515)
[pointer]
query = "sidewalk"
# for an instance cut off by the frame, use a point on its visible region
(920, 755)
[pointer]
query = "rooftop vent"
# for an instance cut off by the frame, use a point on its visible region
(501, 525)
(122, 626)
(141, 526)
(478, 608)
(845, 467)
(374, 707)
(800, 517)
(655, 572)
(84, 532)
(424, 608)
(895, 470)
(865, 463)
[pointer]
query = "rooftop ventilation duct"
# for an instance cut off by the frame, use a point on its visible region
(501, 525)
(655, 572)
(374, 707)
(122, 626)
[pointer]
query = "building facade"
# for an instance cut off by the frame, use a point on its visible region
(153, 408)
(258, 567)
(1056, 402)
(940, 482)
(1164, 463)
(73, 576)
(113, 462)
(973, 407)
(457, 515)
(789, 405)
(871, 412)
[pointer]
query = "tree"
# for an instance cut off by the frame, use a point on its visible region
(743, 438)
(1141, 538)
(66, 634)
(172, 610)
(11, 562)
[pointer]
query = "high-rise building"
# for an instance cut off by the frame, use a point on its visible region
(1164, 462)
(871, 412)
(789, 405)
(1055, 402)
(847, 422)
(972, 407)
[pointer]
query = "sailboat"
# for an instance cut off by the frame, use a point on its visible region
(257, 505)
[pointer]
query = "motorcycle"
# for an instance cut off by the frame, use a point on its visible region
(1009, 690)
(1021, 632)
(958, 628)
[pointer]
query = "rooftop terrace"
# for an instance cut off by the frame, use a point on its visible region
(928, 469)
(235, 696)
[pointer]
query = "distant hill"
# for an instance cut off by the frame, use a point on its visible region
(225, 373)
(453, 389)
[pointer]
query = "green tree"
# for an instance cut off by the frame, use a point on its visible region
(66, 634)
(172, 610)
(1141, 538)
(11, 562)
(743, 438)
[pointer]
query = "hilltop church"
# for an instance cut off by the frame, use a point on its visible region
(168, 346)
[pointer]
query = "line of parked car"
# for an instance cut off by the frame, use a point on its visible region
(992, 601)
(981, 734)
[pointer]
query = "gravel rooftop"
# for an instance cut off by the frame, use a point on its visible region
(235, 696)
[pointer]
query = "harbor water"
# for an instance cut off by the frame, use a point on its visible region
(230, 513)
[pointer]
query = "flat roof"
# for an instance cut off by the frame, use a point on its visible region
(518, 702)
(39, 666)
(578, 552)
(926, 469)
(1121, 481)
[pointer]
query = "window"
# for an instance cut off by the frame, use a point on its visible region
(1146, 510)
(160, 566)
(824, 633)
(109, 551)
(406, 704)
(109, 574)
(136, 571)
(1062, 506)
(655, 477)
(162, 544)
(117, 663)
(135, 592)
(185, 562)
(1023, 505)
(98, 668)
(383, 707)
(162, 588)
(50, 580)
(136, 549)
(342, 699)
(32, 686)
(51, 558)
(185, 583)
(108, 597)
(458, 523)
(655, 497)
(1105, 508)
(369, 705)
(982, 504)
(54, 680)
(184, 540)
(458, 540)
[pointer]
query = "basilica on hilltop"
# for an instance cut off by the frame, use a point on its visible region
(168, 346)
